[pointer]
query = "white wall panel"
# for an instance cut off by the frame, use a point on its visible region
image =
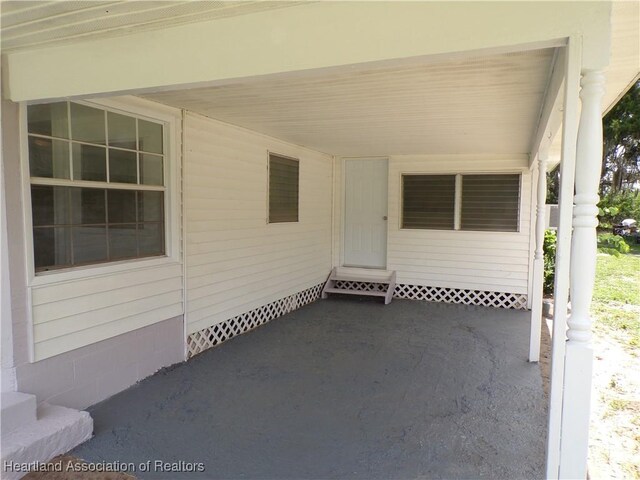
(72, 314)
(492, 261)
(236, 261)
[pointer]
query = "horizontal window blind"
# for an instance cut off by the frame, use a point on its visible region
(428, 201)
(283, 189)
(490, 202)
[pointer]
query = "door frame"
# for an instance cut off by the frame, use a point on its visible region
(343, 207)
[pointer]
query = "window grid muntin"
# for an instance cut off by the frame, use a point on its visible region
(70, 141)
(106, 185)
(70, 226)
(71, 144)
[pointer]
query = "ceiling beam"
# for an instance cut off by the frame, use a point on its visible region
(311, 36)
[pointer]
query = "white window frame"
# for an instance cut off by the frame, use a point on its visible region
(457, 220)
(146, 110)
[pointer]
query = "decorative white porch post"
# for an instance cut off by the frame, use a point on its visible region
(538, 261)
(579, 354)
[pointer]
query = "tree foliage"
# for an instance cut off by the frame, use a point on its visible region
(621, 155)
(612, 244)
(616, 206)
(621, 129)
(553, 186)
(549, 258)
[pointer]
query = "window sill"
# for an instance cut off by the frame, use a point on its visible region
(100, 270)
(462, 232)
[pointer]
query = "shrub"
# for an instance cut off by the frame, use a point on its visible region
(612, 244)
(549, 249)
(615, 207)
(607, 243)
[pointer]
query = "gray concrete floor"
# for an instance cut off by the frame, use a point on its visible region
(343, 388)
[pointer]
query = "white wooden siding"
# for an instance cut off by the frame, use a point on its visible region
(72, 314)
(492, 261)
(236, 261)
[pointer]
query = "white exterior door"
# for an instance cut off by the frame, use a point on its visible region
(365, 232)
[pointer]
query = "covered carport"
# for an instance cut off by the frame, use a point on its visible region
(489, 96)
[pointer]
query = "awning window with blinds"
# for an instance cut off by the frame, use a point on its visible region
(283, 189)
(428, 201)
(484, 202)
(490, 202)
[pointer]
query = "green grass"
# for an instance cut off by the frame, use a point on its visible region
(618, 279)
(616, 296)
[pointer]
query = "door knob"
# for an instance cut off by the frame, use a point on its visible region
(384, 218)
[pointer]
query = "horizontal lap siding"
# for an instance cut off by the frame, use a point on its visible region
(492, 261)
(75, 313)
(237, 262)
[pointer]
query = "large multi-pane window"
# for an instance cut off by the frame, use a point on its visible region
(97, 185)
(485, 202)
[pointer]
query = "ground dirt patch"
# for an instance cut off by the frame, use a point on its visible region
(614, 443)
(614, 436)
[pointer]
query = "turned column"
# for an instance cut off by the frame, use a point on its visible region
(579, 353)
(538, 260)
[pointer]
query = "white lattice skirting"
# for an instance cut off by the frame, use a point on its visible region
(364, 286)
(445, 295)
(211, 336)
(457, 295)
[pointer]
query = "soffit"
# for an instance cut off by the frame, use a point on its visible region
(33, 24)
(624, 66)
(485, 104)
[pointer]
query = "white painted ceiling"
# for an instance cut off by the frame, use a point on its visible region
(475, 105)
(28, 24)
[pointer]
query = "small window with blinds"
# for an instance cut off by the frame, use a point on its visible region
(428, 201)
(284, 175)
(490, 202)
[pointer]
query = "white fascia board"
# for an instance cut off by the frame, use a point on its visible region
(306, 37)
